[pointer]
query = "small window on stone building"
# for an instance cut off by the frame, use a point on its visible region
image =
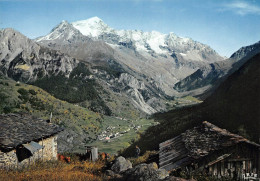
(27, 150)
(22, 153)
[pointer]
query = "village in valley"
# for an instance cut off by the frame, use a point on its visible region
(116, 131)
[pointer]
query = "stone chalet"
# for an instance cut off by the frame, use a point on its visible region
(213, 151)
(25, 139)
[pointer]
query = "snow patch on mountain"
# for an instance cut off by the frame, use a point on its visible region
(63, 30)
(147, 42)
(92, 27)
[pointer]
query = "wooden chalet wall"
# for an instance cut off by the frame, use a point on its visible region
(234, 161)
(173, 154)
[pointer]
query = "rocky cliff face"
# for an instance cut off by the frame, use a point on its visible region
(24, 60)
(204, 77)
(246, 51)
(137, 92)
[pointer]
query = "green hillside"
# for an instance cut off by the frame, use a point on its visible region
(19, 97)
(82, 126)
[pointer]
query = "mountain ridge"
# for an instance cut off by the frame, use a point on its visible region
(166, 63)
(217, 72)
(145, 41)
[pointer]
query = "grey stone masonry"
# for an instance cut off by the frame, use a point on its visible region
(9, 159)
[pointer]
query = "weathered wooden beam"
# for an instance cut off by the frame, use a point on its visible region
(238, 159)
(222, 157)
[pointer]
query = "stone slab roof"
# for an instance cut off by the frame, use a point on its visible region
(16, 129)
(206, 138)
(196, 143)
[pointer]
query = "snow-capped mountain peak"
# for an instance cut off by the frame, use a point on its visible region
(146, 42)
(63, 31)
(94, 19)
(151, 43)
(92, 27)
(61, 26)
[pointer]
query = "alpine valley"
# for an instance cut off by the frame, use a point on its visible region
(102, 84)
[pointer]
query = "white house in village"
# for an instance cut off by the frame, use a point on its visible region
(25, 139)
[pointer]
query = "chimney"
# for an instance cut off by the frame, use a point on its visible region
(50, 117)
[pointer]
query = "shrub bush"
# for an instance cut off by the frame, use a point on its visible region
(33, 92)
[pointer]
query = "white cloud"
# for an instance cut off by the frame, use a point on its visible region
(242, 8)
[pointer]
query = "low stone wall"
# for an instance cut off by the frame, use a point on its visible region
(50, 148)
(8, 159)
(49, 152)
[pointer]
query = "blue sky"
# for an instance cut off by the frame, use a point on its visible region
(225, 25)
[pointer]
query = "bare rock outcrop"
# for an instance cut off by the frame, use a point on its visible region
(24, 60)
(121, 164)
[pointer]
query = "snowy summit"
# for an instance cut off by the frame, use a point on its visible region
(92, 27)
(146, 43)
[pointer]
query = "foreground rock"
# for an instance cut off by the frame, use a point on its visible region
(122, 169)
(121, 164)
(145, 172)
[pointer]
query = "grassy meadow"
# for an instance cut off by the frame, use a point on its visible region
(57, 170)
